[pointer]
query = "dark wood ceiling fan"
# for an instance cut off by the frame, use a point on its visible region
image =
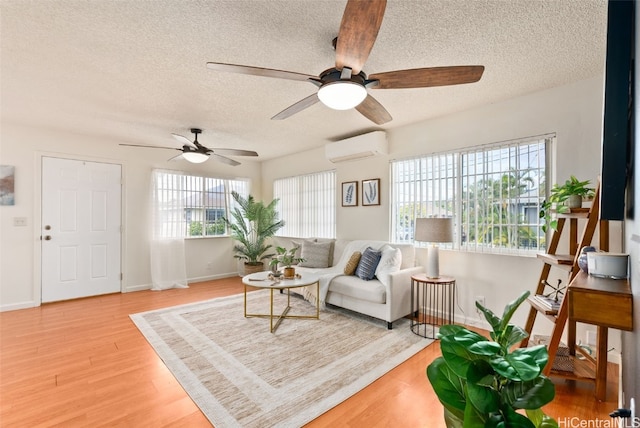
(195, 152)
(358, 31)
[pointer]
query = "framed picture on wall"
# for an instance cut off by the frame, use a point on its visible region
(7, 180)
(350, 194)
(371, 192)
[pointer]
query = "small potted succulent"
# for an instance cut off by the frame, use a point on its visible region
(286, 258)
(563, 198)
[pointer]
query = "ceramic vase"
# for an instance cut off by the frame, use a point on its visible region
(582, 258)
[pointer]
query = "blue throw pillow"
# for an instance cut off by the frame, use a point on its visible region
(368, 263)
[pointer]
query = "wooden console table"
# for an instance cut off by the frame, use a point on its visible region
(605, 303)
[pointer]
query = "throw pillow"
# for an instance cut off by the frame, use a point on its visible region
(390, 261)
(368, 263)
(315, 254)
(352, 264)
(297, 244)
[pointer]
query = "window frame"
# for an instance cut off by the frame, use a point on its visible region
(181, 190)
(417, 205)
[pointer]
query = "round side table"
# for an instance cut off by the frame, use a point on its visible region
(432, 303)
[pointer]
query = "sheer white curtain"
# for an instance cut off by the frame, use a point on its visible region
(168, 267)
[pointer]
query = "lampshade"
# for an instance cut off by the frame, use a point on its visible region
(342, 94)
(195, 157)
(434, 230)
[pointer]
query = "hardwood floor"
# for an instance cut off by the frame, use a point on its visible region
(83, 363)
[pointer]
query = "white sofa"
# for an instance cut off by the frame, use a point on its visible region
(388, 302)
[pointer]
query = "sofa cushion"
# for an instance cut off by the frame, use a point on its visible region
(315, 254)
(368, 263)
(352, 286)
(297, 244)
(390, 261)
(352, 264)
(331, 249)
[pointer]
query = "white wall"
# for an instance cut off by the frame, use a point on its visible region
(23, 147)
(573, 112)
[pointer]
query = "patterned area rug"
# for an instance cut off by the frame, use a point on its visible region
(240, 375)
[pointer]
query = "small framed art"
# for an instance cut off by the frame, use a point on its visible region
(350, 194)
(7, 188)
(371, 192)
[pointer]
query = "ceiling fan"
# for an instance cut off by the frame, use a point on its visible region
(195, 152)
(345, 85)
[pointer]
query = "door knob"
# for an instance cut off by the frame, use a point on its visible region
(47, 238)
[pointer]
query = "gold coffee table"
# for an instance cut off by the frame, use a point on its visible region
(261, 280)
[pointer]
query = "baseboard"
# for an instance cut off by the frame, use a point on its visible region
(141, 287)
(474, 322)
(212, 277)
(132, 288)
(17, 306)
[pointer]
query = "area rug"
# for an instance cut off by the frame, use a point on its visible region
(241, 375)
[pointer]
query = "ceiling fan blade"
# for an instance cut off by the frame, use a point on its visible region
(427, 77)
(373, 110)
(183, 140)
(297, 107)
(259, 71)
(358, 31)
(224, 159)
(235, 152)
(149, 147)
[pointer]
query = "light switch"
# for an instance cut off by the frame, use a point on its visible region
(19, 221)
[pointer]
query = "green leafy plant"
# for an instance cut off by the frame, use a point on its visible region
(482, 382)
(285, 257)
(558, 197)
(253, 223)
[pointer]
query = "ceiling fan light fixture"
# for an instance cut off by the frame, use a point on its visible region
(342, 94)
(195, 157)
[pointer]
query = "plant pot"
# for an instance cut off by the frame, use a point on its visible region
(253, 268)
(574, 201)
(289, 272)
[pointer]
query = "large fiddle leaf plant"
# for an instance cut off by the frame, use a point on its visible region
(482, 382)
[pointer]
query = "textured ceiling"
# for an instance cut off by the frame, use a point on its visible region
(134, 70)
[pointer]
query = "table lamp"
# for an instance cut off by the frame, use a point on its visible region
(433, 230)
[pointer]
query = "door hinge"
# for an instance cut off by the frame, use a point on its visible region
(121, 276)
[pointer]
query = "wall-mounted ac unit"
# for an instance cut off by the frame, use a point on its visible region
(358, 147)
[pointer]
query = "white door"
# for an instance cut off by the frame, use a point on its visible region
(81, 219)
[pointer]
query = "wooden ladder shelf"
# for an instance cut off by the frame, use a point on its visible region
(584, 367)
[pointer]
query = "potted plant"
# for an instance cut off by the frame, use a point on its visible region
(253, 223)
(286, 258)
(563, 198)
(482, 382)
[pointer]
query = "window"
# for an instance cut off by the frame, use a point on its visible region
(190, 205)
(492, 192)
(307, 205)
